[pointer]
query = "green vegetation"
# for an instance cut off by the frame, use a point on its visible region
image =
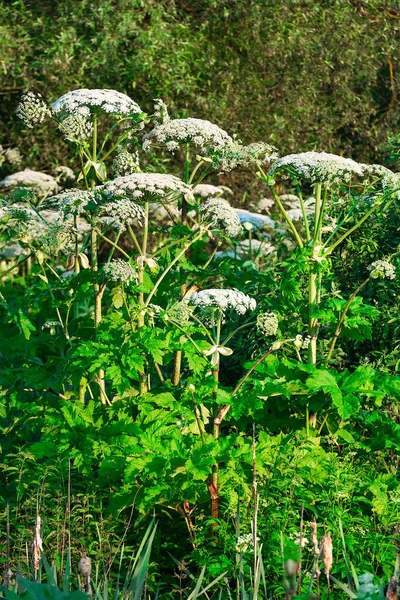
(199, 387)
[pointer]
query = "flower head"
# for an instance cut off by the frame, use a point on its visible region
(86, 102)
(205, 190)
(32, 109)
(223, 301)
(160, 111)
(267, 323)
(235, 154)
(145, 186)
(126, 163)
(317, 167)
(76, 128)
(41, 183)
(220, 216)
(11, 155)
(174, 132)
(382, 269)
(121, 213)
(73, 202)
(120, 271)
(64, 174)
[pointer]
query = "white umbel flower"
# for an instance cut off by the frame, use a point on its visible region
(76, 128)
(223, 300)
(174, 132)
(32, 109)
(256, 220)
(205, 190)
(145, 187)
(318, 167)
(266, 204)
(73, 202)
(236, 154)
(160, 111)
(267, 323)
(120, 271)
(64, 174)
(11, 155)
(122, 212)
(126, 163)
(220, 216)
(382, 269)
(41, 183)
(87, 102)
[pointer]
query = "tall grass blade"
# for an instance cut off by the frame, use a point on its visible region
(138, 578)
(343, 587)
(67, 574)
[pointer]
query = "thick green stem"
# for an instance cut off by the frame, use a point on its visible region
(312, 306)
(143, 387)
(97, 309)
(303, 212)
(318, 219)
(214, 487)
(285, 215)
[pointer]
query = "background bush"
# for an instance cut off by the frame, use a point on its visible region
(303, 74)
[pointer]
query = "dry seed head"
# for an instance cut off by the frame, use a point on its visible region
(392, 591)
(37, 546)
(85, 565)
(314, 539)
(326, 553)
(291, 567)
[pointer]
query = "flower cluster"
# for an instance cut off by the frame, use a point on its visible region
(145, 186)
(73, 202)
(236, 154)
(174, 132)
(244, 542)
(57, 236)
(122, 212)
(41, 183)
(126, 163)
(317, 167)
(382, 269)
(302, 342)
(51, 325)
(64, 175)
(11, 155)
(220, 216)
(223, 300)
(76, 128)
(205, 190)
(120, 271)
(87, 102)
(32, 109)
(267, 323)
(160, 111)
(391, 183)
(256, 221)
(181, 312)
(266, 204)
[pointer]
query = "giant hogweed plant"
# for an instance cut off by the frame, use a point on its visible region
(133, 341)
